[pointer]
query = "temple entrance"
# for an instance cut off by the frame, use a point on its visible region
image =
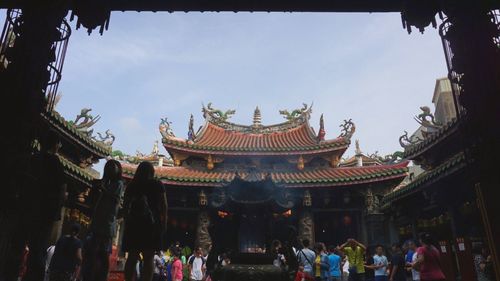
(252, 233)
(335, 227)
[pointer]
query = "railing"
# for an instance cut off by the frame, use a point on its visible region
(11, 31)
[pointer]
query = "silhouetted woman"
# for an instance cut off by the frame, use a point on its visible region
(103, 228)
(145, 220)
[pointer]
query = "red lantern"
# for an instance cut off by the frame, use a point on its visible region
(173, 222)
(184, 225)
(347, 220)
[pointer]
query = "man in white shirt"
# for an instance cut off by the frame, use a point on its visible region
(306, 257)
(415, 274)
(380, 264)
(196, 265)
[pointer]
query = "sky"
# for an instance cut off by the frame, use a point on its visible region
(149, 66)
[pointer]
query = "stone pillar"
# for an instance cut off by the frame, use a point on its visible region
(203, 238)
(306, 226)
(375, 229)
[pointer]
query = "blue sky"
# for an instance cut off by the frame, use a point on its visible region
(153, 65)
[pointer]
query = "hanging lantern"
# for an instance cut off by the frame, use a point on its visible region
(210, 162)
(307, 199)
(300, 163)
(203, 199)
(347, 220)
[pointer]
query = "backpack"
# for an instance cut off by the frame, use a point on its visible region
(140, 211)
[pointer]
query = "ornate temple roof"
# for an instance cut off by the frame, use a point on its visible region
(70, 131)
(220, 137)
(426, 178)
(318, 177)
(71, 170)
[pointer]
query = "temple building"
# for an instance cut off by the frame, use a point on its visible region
(251, 182)
(441, 196)
(80, 150)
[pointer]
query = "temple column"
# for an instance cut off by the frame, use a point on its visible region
(374, 219)
(203, 238)
(471, 37)
(306, 226)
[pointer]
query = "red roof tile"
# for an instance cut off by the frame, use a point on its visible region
(217, 140)
(320, 177)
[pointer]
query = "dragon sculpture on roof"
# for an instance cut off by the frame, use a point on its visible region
(297, 113)
(426, 119)
(215, 114)
(85, 120)
(165, 128)
(108, 139)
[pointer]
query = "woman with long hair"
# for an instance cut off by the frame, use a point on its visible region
(103, 227)
(428, 262)
(145, 209)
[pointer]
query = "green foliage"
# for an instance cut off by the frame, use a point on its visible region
(117, 153)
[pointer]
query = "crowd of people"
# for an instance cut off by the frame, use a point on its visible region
(353, 261)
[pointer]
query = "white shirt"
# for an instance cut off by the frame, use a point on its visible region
(414, 273)
(197, 264)
(345, 268)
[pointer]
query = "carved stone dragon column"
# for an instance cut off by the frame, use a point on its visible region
(203, 238)
(306, 219)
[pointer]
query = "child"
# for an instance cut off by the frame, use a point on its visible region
(302, 276)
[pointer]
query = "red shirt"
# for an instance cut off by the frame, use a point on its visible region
(430, 269)
(302, 275)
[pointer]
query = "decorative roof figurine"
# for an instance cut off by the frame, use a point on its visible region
(165, 129)
(216, 115)
(191, 134)
(426, 119)
(321, 132)
(257, 118)
(405, 141)
(87, 122)
(348, 129)
(296, 114)
(107, 139)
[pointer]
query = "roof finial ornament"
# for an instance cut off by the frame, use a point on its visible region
(257, 118)
(358, 150)
(321, 133)
(191, 134)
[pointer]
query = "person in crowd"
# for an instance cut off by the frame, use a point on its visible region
(483, 264)
(67, 258)
(380, 264)
(428, 260)
(145, 209)
(301, 275)
(335, 263)
(41, 197)
(355, 252)
(197, 265)
(415, 275)
(369, 265)
(176, 270)
(277, 252)
(306, 257)
(321, 263)
(345, 268)
(158, 266)
(103, 227)
(408, 256)
(398, 272)
(48, 259)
